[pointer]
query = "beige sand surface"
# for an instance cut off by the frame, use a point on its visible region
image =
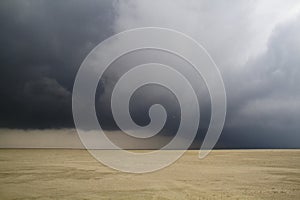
(74, 174)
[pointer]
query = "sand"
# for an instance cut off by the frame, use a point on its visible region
(224, 174)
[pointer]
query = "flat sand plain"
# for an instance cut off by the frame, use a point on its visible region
(224, 174)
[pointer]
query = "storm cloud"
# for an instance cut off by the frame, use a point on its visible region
(255, 44)
(42, 46)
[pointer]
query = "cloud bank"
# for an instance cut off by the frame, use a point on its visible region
(255, 44)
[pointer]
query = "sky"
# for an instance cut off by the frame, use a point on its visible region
(255, 44)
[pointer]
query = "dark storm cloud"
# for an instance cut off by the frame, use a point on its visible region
(42, 44)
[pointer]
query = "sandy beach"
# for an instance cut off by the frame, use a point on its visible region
(224, 174)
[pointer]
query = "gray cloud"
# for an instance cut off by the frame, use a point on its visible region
(265, 96)
(255, 44)
(256, 47)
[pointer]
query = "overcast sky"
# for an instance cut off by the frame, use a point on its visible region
(255, 44)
